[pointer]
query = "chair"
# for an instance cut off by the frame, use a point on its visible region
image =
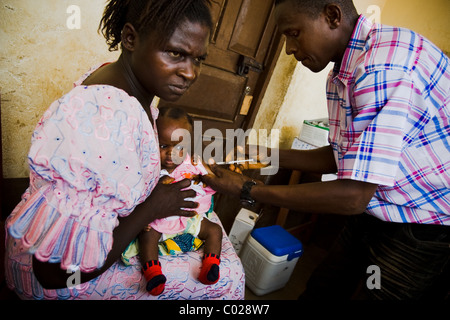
(5, 293)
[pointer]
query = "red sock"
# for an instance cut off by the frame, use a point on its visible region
(156, 281)
(210, 273)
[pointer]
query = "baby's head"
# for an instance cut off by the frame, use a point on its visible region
(174, 147)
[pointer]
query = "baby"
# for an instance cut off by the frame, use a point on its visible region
(176, 164)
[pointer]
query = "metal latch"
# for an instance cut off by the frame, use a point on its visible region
(245, 64)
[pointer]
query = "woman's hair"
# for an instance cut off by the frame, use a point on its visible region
(159, 16)
(314, 7)
(175, 113)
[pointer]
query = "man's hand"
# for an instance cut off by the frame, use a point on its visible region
(259, 156)
(225, 181)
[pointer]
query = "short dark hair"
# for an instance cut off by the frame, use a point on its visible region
(159, 16)
(175, 113)
(314, 7)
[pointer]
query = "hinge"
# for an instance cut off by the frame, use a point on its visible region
(245, 64)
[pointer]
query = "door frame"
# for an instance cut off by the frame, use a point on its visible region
(272, 58)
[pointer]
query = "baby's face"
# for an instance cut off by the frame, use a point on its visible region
(174, 141)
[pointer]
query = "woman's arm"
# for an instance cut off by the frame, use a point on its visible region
(165, 201)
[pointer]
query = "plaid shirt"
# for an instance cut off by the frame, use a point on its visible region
(388, 104)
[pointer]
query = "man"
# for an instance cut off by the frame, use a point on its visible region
(388, 104)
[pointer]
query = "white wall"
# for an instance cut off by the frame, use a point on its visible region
(43, 50)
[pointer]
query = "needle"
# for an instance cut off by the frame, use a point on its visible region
(235, 162)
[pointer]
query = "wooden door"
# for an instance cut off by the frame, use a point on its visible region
(234, 76)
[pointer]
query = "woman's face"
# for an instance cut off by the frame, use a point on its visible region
(168, 70)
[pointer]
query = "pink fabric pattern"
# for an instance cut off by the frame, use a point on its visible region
(175, 225)
(94, 158)
(122, 282)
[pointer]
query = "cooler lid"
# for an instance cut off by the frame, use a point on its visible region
(278, 241)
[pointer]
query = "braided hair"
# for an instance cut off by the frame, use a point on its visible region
(159, 16)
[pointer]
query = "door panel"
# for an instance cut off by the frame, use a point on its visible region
(219, 106)
(243, 28)
(250, 27)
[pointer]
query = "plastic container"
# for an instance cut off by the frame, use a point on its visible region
(269, 257)
(242, 226)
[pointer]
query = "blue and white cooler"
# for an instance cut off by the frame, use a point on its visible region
(269, 257)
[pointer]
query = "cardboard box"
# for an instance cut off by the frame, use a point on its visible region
(315, 132)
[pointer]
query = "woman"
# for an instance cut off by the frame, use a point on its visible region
(94, 159)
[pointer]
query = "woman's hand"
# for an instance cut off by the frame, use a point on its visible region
(168, 200)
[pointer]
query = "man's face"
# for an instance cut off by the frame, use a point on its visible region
(312, 41)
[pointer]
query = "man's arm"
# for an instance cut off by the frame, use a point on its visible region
(319, 160)
(346, 197)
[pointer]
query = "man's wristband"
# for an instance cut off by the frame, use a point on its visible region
(245, 192)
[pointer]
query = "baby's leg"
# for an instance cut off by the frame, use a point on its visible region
(148, 252)
(211, 234)
(148, 245)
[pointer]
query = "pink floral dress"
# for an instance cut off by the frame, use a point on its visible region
(94, 157)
